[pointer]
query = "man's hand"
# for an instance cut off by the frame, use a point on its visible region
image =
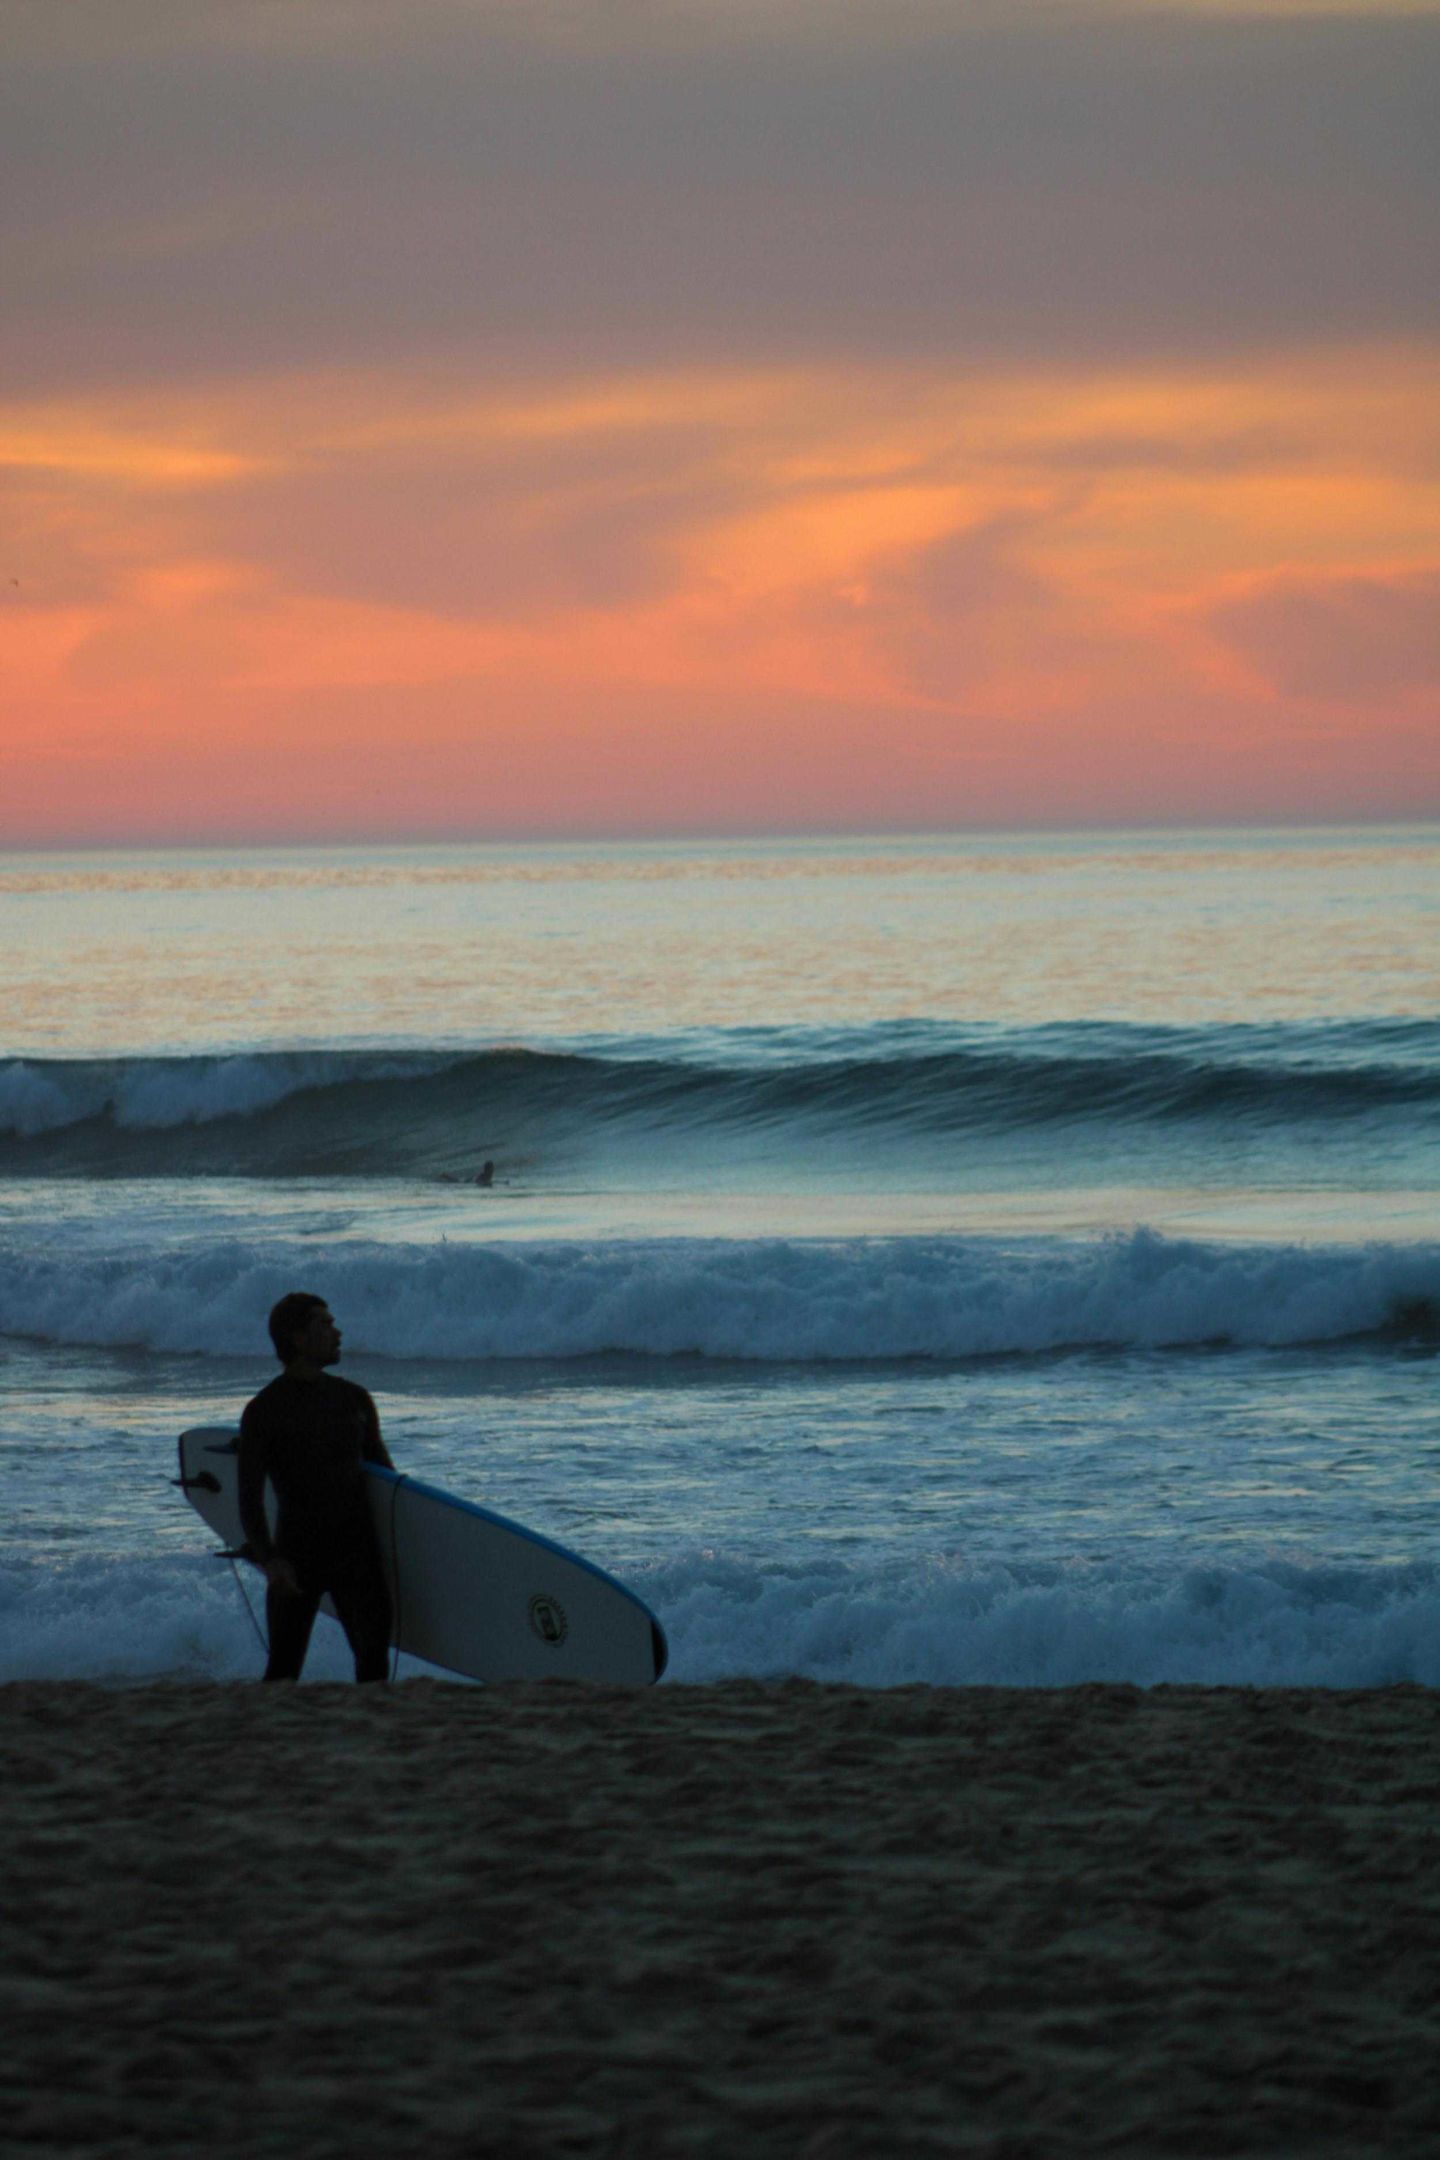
(281, 1576)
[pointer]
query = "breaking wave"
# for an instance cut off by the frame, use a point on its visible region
(767, 1300)
(360, 1113)
(1269, 1623)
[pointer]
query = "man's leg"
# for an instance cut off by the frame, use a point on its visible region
(362, 1606)
(289, 1617)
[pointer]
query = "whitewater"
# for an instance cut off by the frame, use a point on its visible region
(1005, 1260)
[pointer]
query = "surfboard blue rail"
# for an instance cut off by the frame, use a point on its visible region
(503, 1526)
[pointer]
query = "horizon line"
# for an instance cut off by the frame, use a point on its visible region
(703, 835)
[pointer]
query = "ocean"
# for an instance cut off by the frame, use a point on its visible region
(954, 1259)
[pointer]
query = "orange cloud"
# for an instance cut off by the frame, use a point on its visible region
(785, 596)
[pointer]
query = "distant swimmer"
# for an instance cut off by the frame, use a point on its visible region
(485, 1176)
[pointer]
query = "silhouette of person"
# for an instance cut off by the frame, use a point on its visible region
(309, 1432)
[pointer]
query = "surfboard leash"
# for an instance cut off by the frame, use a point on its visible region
(240, 1586)
(206, 1481)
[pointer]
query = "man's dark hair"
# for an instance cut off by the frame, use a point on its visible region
(288, 1317)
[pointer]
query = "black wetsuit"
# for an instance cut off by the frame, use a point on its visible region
(309, 1438)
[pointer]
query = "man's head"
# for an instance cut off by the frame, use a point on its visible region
(302, 1328)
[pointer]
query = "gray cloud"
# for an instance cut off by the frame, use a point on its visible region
(1340, 639)
(475, 534)
(202, 200)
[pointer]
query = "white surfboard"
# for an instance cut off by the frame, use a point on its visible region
(470, 1590)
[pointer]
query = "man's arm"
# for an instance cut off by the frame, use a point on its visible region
(279, 1573)
(372, 1447)
(252, 1467)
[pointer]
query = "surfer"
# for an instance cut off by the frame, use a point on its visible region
(308, 1432)
(485, 1176)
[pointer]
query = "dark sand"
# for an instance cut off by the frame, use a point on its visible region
(733, 1920)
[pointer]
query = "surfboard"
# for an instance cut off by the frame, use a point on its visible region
(471, 1591)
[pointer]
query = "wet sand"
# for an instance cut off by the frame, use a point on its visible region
(736, 1920)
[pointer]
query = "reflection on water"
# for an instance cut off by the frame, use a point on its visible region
(113, 953)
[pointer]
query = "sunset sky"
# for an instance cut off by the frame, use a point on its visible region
(471, 418)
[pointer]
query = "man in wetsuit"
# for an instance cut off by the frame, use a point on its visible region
(308, 1433)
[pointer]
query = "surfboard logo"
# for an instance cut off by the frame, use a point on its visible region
(547, 1617)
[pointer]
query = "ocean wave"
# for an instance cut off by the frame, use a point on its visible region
(316, 1113)
(942, 1622)
(158, 1094)
(950, 1624)
(766, 1300)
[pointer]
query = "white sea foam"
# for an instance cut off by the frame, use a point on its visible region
(110, 1617)
(34, 1101)
(200, 1089)
(769, 1300)
(951, 1625)
(155, 1094)
(943, 1624)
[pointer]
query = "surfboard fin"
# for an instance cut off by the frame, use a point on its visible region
(205, 1482)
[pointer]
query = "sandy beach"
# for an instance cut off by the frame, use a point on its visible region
(736, 1919)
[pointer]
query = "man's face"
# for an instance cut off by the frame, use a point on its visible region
(318, 1341)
